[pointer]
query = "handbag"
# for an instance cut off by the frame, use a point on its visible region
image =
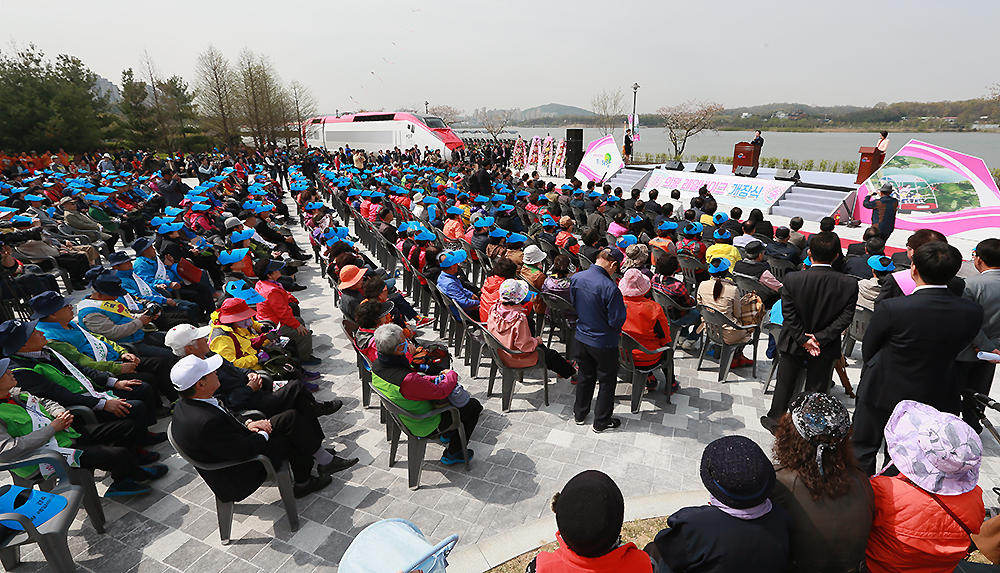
(751, 309)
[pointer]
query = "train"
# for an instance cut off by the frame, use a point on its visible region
(373, 131)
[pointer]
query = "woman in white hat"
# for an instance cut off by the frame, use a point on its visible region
(925, 516)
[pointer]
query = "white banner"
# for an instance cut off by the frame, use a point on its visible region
(735, 191)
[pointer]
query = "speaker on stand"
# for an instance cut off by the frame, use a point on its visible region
(574, 151)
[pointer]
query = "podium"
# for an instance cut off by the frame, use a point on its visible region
(745, 154)
(871, 160)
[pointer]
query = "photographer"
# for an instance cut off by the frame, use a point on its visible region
(172, 312)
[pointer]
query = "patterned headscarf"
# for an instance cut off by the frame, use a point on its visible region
(815, 415)
(637, 257)
(513, 291)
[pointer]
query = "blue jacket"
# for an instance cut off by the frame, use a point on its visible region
(599, 307)
(451, 286)
(73, 335)
(129, 284)
(883, 212)
(146, 269)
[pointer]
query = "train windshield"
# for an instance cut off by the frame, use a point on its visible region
(434, 123)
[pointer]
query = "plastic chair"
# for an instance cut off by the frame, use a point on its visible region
(780, 267)
(395, 545)
(282, 476)
(584, 262)
(559, 312)
(747, 283)
(714, 323)
(456, 324)
(51, 536)
(772, 329)
(690, 268)
(507, 373)
(668, 303)
(638, 374)
(364, 367)
(49, 265)
(551, 251)
(416, 446)
(856, 332)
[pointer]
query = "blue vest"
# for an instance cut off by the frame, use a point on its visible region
(88, 306)
(129, 284)
(72, 335)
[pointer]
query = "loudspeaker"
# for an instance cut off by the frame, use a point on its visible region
(746, 171)
(787, 175)
(673, 166)
(574, 151)
(705, 167)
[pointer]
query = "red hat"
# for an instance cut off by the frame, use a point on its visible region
(350, 276)
(234, 310)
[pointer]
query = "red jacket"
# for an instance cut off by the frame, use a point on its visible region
(626, 558)
(644, 315)
(276, 306)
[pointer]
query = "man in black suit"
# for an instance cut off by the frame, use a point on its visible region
(781, 249)
(858, 249)
(910, 348)
(920, 237)
(858, 266)
(817, 305)
(209, 433)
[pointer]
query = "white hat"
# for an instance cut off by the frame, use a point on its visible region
(183, 334)
(232, 222)
(190, 369)
(533, 255)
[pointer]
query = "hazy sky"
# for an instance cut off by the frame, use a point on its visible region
(520, 53)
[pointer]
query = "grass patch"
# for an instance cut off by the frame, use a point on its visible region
(640, 532)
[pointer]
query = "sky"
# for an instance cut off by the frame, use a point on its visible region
(469, 54)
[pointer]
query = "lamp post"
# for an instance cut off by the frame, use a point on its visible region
(635, 120)
(426, 103)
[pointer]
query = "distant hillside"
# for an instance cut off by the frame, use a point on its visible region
(550, 110)
(770, 108)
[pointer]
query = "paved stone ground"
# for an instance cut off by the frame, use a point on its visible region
(522, 458)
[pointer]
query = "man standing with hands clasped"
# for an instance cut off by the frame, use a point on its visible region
(984, 288)
(817, 305)
(601, 311)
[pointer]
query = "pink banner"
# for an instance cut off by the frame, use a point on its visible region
(938, 188)
(736, 191)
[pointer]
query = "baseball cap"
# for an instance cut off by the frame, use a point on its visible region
(183, 334)
(190, 369)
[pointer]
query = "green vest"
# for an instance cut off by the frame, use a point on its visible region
(67, 381)
(418, 407)
(19, 424)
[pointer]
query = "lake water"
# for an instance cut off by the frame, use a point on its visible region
(795, 146)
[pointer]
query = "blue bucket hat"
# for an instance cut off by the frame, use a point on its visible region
(141, 244)
(452, 258)
(718, 265)
(241, 235)
(455, 211)
(48, 303)
(667, 226)
(634, 219)
(262, 208)
(498, 232)
(425, 235)
(515, 238)
(314, 205)
(498, 197)
(505, 207)
(484, 222)
(118, 258)
(693, 229)
(548, 221)
(200, 207)
(481, 199)
(173, 211)
(169, 228)
(429, 200)
(227, 257)
(239, 289)
(719, 218)
(722, 234)
(33, 197)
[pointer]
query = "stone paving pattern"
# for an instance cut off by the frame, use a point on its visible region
(521, 459)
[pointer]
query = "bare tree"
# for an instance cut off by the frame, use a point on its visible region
(303, 103)
(156, 100)
(687, 119)
(261, 99)
(447, 113)
(410, 107)
(494, 121)
(216, 93)
(609, 107)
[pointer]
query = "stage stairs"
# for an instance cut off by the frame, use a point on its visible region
(632, 177)
(809, 203)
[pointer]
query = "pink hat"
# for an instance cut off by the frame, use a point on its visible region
(634, 283)
(937, 451)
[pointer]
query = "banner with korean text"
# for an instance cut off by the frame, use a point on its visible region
(744, 192)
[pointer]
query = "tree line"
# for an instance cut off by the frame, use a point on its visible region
(52, 104)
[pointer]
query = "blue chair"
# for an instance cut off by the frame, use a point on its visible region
(395, 545)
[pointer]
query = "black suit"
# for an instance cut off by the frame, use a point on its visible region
(909, 352)
(890, 288)
(858, 267)
(208, 435)
(818, 301)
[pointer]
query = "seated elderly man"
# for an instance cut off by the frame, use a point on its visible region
(103, 313)
(244, 388)
(174, 311)
(419, 393)
(29, 422)
(210, 433)
(451, 285)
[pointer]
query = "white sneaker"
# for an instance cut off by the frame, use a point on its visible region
(689, 344)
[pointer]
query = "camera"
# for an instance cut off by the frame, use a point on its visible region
(153, 309)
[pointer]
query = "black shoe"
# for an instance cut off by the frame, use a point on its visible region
(769, 424)
(327, 408)
(153, 438)
(336, 465)
(296, 288)
(612, 424)
(315, 484)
